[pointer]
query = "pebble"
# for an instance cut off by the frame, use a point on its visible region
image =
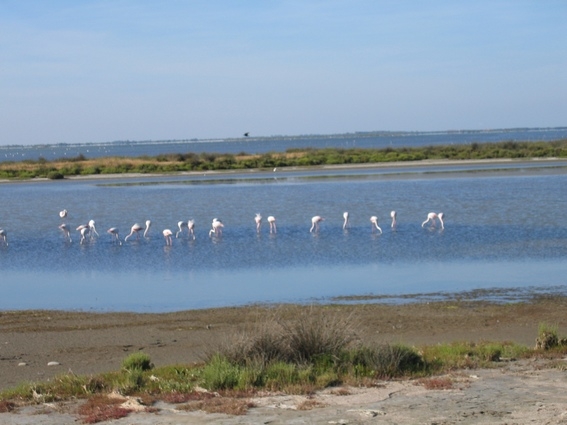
(22, 364)
(53, 364)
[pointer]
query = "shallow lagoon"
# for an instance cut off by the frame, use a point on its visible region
(505, 229)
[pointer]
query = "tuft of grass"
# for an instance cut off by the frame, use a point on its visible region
(137, 361)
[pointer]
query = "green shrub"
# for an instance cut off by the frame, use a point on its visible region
(137, 361)
(220, 374)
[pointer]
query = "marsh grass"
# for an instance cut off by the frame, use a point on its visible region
(468, 355)
(180, 162)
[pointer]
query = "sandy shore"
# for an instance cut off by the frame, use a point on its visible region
(89, 343)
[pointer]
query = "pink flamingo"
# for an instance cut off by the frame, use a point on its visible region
(136, 228)
(217, 227)
(191, 228)
(65, 229)
(374, 223)
(4, 236)
(113, 231)
(346, 223)
(148, 225)
(181, 225)
(92, 228)
(84, 230)
(272, 221)
(167, 235)
(393, 214)
(431, 217)
(63, 213)
(258, 220)
(315, 223)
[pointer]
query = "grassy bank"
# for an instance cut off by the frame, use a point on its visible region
(170, 163)
(315, 350)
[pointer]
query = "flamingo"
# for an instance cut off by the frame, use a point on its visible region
(92, 228)
(136, 228)
(258, 220)
(374, 222)
(216, 227)
(65, 229)
(272, 221)
(393, 214)
(345, 216)
(113, 231)
(191, 228)
(315, 223)
(84, 233)
(4, 236)
(181, 225)
(167, 235)
(148, 225)
(431, 218)
(63, 213)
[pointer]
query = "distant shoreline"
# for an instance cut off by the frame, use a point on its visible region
(402, 165)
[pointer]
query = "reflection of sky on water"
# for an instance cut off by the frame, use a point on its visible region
(504, 231)
(174, 290)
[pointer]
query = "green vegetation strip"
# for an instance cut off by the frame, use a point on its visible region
(170, 163)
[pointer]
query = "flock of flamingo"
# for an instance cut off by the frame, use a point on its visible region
(88, 231)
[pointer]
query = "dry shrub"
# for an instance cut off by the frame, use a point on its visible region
(315, 332)
(7, 406)
(101, 408)
(310, 404)
(436, 383)
(342, 391)
(228, 406)
(177, 397)
(318, 333)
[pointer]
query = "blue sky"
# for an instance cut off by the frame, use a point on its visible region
(99, 71)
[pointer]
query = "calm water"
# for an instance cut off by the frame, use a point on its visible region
(505, 228)
(254, 145)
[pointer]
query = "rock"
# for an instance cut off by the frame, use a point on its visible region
(22, 364)
(53, 364)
